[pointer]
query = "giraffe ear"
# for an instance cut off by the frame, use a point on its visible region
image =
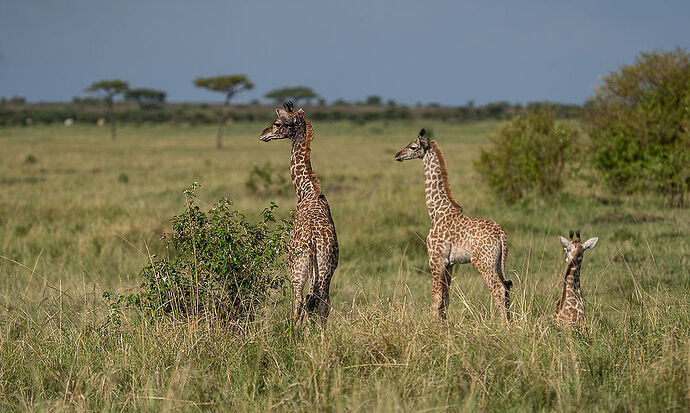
(283, 115)
(424, 142)
(590, 243)
(564, 242)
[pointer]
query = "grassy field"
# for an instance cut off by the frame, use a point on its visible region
(79, 214)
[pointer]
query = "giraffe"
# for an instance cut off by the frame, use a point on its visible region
(570, 307)
(456, 238)
(313, 245)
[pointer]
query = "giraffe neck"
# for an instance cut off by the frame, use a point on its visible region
(571, 295)
(303, 178)
(438, 196)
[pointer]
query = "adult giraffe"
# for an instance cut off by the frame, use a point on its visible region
(456, 238)
(313, 245)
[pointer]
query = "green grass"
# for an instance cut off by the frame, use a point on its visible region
(79, 214)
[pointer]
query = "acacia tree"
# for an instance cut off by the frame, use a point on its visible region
(230, 85)
(296, 94)
(146, 98)
(109, 89)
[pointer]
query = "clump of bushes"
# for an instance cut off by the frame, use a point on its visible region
(638, 121)
(218, 264)
(528, 153)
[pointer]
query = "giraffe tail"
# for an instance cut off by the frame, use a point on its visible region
(502, 265)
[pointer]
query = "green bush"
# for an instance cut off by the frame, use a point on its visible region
(638, 122)
(527, 153)
(218, 264)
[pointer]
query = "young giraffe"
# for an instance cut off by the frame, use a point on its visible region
(313, 244)
(570, 307)
(456, 238)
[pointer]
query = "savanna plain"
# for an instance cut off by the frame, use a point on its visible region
(81, 214)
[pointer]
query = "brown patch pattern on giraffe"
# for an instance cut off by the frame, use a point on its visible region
(570, 307)
(456, 238)
(313, 245)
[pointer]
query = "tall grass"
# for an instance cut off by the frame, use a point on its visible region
(70, 227)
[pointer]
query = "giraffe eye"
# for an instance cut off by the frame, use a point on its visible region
(413, 147)
(277, 125)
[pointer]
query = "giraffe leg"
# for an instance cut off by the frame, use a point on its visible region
(440, 285)
(496, 286)
(327, 261)
(300, 271)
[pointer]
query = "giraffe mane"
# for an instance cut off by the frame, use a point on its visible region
(309, 135)
(444, 174)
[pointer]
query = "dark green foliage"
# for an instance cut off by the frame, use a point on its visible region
(266, 181)
(123, 177)
(230, 85)
(218, 264)
(638, 121)
(30, 158)
(374, 100)
(297, 93)
(110, 88)
(526, 154)
(146, 98)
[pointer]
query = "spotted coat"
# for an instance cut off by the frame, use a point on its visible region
(313, 245)
(456, 238)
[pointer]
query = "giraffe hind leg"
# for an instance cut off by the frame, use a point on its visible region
(496, 285)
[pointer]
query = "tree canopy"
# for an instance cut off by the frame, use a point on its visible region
(296, 94)
(638, 124)
(111, 88)
(230, 84)
(145, 95)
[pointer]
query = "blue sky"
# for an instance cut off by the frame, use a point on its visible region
(447, 52)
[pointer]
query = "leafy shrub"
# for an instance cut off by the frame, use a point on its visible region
(638, 122)
(265, 181)
(218, 264)
(527, 153)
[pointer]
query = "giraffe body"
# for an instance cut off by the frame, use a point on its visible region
(456, 238)
(313, 245)
(570, 307)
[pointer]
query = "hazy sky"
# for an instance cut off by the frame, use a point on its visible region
(410, 51)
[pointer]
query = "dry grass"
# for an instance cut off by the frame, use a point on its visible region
(71, 226)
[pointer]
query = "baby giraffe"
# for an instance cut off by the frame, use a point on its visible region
(570, 307)
(313, 245)
(456, 238)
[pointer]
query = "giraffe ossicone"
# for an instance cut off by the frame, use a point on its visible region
(456, 238)
(570, 307)
(313, 245)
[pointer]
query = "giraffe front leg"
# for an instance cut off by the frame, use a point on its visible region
(300, 271)
(440, 286)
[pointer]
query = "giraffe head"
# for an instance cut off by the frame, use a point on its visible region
(574, 248)
(416, 149)
(286, 122)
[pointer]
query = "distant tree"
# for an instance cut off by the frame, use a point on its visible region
(17, 100)
(145, 97)
(109, 89)
(639, 124)
(229, 85)
(297, 94)
(374, 100)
